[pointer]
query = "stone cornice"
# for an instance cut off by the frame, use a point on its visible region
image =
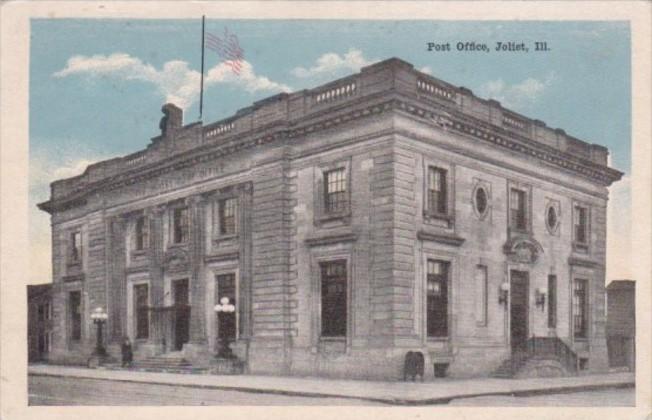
(449, 120)
(442, 238)
(464, 124)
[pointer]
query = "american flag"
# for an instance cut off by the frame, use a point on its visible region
(228, 48)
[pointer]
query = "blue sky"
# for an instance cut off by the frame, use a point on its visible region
(97, 86)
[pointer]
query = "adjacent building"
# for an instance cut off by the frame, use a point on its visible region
(39, 322)
(380, 213)
(621, 324)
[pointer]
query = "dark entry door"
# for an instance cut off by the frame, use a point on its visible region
(182, 313)
(519, 310)
(226, 326)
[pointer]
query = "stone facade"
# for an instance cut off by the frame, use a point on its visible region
(382, 132)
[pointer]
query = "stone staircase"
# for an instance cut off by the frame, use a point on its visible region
(510, 367)
(542, 357)
(172, 362)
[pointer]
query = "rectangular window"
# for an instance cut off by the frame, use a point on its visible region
(74, 302)
(141, 233)
(580, 308)
(552, 301)
(333, 299)
(335, 194)
(75, 247)
(227, 216)
(437, 299)
(180, 225)
(581, 224)
(518, 210)
(481, 288)
(141, 309)
(437, 190)
(43, 312)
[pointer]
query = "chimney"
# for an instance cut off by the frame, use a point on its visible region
(172, 118)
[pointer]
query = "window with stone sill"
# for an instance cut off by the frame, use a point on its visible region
(333, 192)
(75, 311)
(141, 234)
(75, 248)
(580, 227)
(336, 200)
(552, 301)
(227, 216)
(518, 213)
(333, 299)
(179, 225)
(437, 286)
(437, 192)
(580, 308)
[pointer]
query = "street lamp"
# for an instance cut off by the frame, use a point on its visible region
(99, 317)
(503, 294)
(224, 307)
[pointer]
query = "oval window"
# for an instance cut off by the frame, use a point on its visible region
(481, 200)
(552, 218)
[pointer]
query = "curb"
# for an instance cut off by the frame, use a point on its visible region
(388, 401)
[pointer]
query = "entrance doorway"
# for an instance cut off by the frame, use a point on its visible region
(226, 325)
(181, 313)
(518, 310)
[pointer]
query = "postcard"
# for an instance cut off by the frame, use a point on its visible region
(410, 209)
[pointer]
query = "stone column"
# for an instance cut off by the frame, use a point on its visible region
(116, 260)
(196, 255)
(155, 255)
(244, 304)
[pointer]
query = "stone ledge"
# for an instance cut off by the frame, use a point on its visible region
(581, 262)
(442, 238)
(330, 239)
(222, 256)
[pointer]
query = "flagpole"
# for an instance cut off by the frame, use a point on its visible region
(201, 87)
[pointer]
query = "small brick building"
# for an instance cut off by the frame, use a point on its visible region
(39, 322)
(380, 213)
(621, 323)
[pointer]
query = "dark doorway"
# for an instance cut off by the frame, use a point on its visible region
(181, 313)
(226, 325)
(519, 310)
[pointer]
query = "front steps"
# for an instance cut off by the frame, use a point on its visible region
(173, 362)
(543, 357)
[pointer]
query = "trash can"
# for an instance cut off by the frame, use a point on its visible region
(441, 370)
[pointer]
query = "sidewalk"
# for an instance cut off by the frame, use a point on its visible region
(401, 393)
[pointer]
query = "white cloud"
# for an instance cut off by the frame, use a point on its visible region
(619, 231)
(426, 70)
(43, 169)
(176, 81)
(333, 63)
(516, 95)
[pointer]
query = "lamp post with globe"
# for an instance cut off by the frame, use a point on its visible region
(99, 317)
(224, 307)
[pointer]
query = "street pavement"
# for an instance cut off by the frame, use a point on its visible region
(440, 391)
(50, 390)
(619, 397)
